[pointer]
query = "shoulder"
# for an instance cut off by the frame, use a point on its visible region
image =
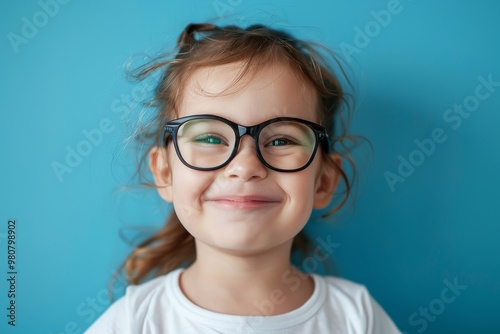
(151, 298)
(144, 292)
(344, 296)
(343, 288)
(139, 303)
(114, 320)
(353, 302)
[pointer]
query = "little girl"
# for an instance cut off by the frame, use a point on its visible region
(244, 147)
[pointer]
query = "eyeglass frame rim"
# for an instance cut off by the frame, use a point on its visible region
(172, 126)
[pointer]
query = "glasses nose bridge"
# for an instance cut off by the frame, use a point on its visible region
(252, 131)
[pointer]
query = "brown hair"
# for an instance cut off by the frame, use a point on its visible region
(206, 45)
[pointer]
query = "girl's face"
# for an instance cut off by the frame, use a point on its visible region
(244, 207)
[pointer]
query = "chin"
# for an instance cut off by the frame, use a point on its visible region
(247, 246)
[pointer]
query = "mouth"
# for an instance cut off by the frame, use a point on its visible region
(244, 202)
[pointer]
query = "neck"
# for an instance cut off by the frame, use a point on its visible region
(257, 284)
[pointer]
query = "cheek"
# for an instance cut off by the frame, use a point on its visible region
(188, 186)
(304, 193)
(185, 199)
(184, 179)
(309, 177)
(300, 188)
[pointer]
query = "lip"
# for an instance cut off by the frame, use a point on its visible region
(244, 202)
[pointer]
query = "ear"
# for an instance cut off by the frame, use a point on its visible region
(327, 180)
(158, 163)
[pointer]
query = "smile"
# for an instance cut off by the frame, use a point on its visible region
(244, 202)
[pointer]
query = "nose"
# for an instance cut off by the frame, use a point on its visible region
(246, 165)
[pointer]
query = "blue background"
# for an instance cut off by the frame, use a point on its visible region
(440, 225)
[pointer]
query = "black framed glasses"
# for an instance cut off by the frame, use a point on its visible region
(209, 142)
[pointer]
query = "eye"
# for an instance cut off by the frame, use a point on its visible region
(282, 141)
(209, 139)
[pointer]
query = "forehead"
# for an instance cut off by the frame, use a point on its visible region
(248, 98)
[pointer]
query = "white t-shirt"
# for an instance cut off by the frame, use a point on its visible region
(160, 307)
